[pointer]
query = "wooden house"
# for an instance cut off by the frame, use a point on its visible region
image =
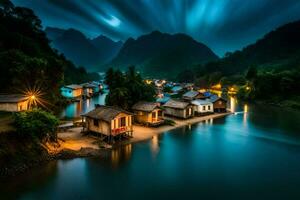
(193, 95)
(89, 89)
(179, 109)
(72, 91)
(202, 107)
(148, 113)
(219, 103)
(13, 102)
(109, 121)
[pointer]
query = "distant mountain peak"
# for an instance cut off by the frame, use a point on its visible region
(159, 52)
(90, 53)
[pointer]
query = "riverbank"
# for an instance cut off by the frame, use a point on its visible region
(72, 144)
(74, 140)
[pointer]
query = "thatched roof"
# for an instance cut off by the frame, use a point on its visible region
(176, 104)
(12, 98)
(145, 106)
(105, 113)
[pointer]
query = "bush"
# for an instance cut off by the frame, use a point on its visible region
(36, 124)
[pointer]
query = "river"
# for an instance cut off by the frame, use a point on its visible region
(253, 154)
(75, 109)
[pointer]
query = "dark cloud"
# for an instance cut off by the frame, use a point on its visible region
(224, 25)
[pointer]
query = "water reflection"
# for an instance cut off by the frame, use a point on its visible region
(245, 115)
(76, 109)
(119, 155)
(154, 145)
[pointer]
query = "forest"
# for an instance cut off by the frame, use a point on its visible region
(27, 62)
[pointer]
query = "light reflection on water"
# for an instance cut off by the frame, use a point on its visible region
(75, 109)
(257, 148)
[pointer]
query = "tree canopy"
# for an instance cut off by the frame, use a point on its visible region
(126, 89)
(26, 58)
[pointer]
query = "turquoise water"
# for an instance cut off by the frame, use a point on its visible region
(76, 109)
(249, 155)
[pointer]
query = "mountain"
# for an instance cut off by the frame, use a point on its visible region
(278, 49)
(26, 59)
(107, 48)
(162, 54)
(90, 53)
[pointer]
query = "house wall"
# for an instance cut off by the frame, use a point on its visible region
(14, 107)
(88, 91)
(23, 105)
(115, 123)
(103, 126)
(69, 93)
(200, 108)
(181, 113)
(219, 106)
(77, 92)
(146, 117)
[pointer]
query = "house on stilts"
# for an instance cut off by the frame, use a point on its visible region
(109, 122)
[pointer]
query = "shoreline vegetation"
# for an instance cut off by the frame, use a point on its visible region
(73, 144)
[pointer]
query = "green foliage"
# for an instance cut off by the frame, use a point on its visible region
(36, 124)
(126, 89)
(27, 60)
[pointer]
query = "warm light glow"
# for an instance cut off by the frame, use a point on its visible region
(35, 97)
(245, 108)
(148, 82)
(247, 88)
(218, 86)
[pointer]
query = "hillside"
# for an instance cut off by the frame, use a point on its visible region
(279, 49)
(90, 53)
(162, 53)
(27, 60)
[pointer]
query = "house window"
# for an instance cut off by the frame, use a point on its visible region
(220, 102)
(208, 107)
(123, 121)
(204, 107)
(96, 122)
(159, 113)
(20, 107)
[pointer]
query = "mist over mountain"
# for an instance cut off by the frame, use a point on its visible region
(162, 54)
(90, 53)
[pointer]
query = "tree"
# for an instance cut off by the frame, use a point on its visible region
(126, 89)
(36, 124)
(251, 73)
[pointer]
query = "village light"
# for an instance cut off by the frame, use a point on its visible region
(247, 88)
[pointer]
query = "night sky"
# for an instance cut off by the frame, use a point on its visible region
(224, 25)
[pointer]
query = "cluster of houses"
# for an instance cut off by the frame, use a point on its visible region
(112, 121)
(84, 90)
